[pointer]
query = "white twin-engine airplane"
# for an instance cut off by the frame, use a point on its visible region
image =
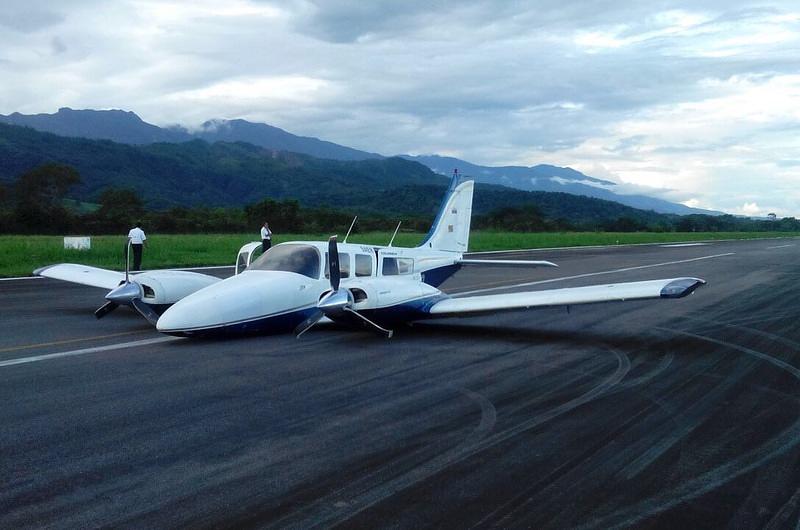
(295, 285)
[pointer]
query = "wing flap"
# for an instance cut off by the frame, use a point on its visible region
(667, 288)
(82, 274)
(507, 263)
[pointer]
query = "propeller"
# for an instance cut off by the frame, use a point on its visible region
(336, 302)
(128, 293)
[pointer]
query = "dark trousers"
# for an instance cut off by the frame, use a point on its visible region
(265, 244)
(137, 256)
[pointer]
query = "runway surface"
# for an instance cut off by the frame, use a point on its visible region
(659, 414)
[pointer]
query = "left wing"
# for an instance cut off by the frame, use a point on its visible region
(615, 292)
(83, 274)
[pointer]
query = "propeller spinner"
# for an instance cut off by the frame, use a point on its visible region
(128, 293)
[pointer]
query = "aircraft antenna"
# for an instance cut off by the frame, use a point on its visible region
(395, 233)
(349, 229)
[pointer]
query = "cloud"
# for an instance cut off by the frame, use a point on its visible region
(27, 18)
(750, 208)
(690, 101)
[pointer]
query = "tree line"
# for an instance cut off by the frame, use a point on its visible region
(37, 203)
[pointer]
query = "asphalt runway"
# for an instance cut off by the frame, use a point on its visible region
(654, 414)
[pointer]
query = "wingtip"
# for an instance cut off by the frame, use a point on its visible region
(681, 287)
(40, 270)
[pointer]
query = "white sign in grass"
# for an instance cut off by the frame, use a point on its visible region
(78, 243)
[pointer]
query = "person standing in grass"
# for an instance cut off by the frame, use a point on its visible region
(266, 237)
(137, 238)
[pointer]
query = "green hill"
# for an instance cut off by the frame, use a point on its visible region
(197, 173)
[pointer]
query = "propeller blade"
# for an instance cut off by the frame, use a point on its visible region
(333, 263)
(387, 332)
(145, 310)
(127, 260)
(307, 324)
(105, 309)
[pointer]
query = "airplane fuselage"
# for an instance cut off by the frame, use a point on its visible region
(282, 288)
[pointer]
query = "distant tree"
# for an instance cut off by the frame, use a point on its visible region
(526, 218)
(282, 216)
(624, 224)
(119, 209)
(39, 195)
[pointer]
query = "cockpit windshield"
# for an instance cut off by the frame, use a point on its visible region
(301, 259)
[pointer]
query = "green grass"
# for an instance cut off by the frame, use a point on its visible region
(19, 255)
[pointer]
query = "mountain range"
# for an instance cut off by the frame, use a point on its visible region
(128, 128)
(196, 173)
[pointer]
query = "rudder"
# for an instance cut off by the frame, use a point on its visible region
(450, 230)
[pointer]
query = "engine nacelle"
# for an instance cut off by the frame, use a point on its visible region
(167, 287)
(383, 292)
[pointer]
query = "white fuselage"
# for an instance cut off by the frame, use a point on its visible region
(282, 288)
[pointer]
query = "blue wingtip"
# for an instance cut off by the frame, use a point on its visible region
(681, 287)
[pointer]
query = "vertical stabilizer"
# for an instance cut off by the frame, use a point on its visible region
(450, 230)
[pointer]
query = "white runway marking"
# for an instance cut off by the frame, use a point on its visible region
(676, 245)
(590, 274)
(779, 246)
(118, 346)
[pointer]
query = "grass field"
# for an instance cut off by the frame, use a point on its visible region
(19, 255)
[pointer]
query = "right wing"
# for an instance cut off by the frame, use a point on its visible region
(615, 292)
(83, 274)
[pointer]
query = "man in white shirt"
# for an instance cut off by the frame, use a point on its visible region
(137, 239)
(266, 237)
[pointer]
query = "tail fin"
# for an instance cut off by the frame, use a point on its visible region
(450, 230)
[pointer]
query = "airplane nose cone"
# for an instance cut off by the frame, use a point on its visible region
(238, 302)
(125, 293)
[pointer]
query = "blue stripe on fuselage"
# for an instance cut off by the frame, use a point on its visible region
(268, 325)
(417, 309)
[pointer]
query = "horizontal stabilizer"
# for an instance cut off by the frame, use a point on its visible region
(82, 274)
(507, 263)
(615, 292)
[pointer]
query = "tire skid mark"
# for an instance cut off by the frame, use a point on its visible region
(327, 511)
(613, 464)
(782, 519)
(692, 417)
(516, 504)
(409, 390)
(436, 465)
(577, 374)
(787, 315)
(663, 364)
(770, 483)
(714, 478)
(777, 338)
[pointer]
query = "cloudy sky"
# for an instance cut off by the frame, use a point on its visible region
(699, 101)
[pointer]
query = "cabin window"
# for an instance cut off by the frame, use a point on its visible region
(405, 265)
(363, 265)
(344, 265)
(389, 267)
(241, 262)
(395, 266)
(297, 258)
